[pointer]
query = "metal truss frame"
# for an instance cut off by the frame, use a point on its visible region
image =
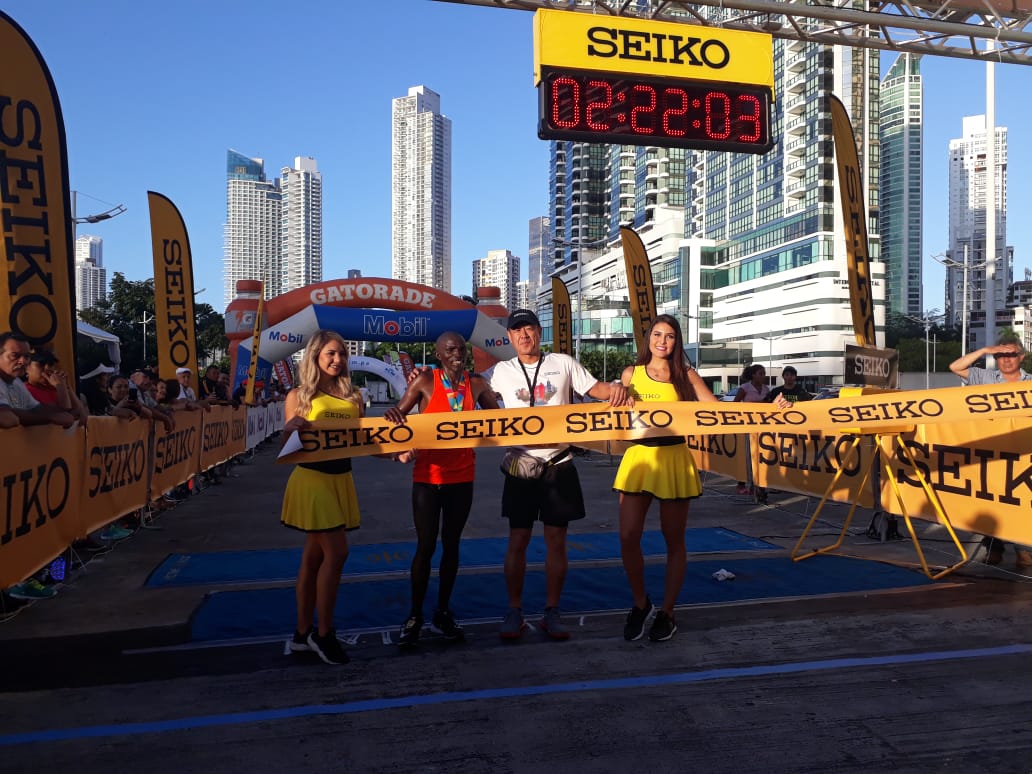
(983, 30)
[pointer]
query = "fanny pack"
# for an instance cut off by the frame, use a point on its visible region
(519, 464)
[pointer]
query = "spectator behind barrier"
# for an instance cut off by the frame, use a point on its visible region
(48, 384)
(14, 357)
(93, 391)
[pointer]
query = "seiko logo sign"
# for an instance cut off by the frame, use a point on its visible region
(613, 43)
(866, 365)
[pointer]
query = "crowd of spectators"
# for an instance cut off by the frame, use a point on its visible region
(35, 390)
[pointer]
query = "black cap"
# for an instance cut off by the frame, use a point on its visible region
(43, 357)
(522, 317)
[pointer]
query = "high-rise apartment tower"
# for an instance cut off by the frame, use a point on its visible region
(421, 189)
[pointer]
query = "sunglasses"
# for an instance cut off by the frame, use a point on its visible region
(999, 355)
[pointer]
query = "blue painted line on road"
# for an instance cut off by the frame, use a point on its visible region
(400, 702)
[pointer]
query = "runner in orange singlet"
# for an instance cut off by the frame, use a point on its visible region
(442, 482)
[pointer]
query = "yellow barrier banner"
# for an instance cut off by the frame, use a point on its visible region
(854, 216)
(173, 290)
(37, 280)
(881, 412)
(639, 284)
(562, 331)
(807, 463)
(980, 471)
(176, 453)
(219, 439)
(40, 471)
(725, 455)
(116, 471)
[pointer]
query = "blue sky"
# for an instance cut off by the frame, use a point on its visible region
(154, 94)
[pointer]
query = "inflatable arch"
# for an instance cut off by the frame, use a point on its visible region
(362, 309)
(393, 375)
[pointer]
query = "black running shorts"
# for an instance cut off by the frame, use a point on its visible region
(554, 499)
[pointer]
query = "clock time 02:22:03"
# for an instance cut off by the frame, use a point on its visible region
(634, 110)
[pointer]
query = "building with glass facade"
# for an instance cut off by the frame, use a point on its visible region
(252, 239)
(901, 187)
(967, 231)
(759, 269)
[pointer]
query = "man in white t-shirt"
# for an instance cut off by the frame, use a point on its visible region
(533, 378)
(14, 358)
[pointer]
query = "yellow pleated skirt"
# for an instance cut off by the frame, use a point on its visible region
(319, 502)
(665, 472)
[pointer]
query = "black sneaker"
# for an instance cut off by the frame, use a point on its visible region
(663, 627)
(299, 642)
(634, 628)
(410, 631)
(328, 647)
(444, 623)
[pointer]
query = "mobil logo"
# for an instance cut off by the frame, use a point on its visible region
(402, 325)
(501, 341)
(285, 337)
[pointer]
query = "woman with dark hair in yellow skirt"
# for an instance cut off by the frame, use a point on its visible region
(320, 498)
(658, 469)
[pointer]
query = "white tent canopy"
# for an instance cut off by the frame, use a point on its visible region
(101, 337)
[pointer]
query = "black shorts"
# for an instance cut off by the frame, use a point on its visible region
(555, 499)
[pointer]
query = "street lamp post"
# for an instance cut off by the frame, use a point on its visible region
(926, 320)
(966, 267)
(143, 323)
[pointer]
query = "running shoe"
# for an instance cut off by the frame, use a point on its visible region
(444, 623)
(410, 631)
(299, 642)
(328, 647)
(553, 626)
(513, 624)
(663, 627)
(31, 589)
(634, 628)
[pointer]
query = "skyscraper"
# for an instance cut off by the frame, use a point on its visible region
(967, 228)
(500, 269)
(779, 282)
(252, 232)
(901, 189)
(90, 274)
(538, 268)
(273, 228)
(301, 244)
(421, 189)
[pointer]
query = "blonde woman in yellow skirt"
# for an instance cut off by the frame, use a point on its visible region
(658, 469)
(320, 497)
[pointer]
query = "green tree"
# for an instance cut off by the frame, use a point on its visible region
(606, 366)
(131, 301)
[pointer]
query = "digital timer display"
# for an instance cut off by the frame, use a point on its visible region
(595, 106)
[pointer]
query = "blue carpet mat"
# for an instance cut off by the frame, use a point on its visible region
(384, 604)
(281, 564)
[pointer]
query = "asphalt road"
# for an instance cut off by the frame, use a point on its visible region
(930, 679)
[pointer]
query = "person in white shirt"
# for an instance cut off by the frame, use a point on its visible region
(534, 378)
(14, 359)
